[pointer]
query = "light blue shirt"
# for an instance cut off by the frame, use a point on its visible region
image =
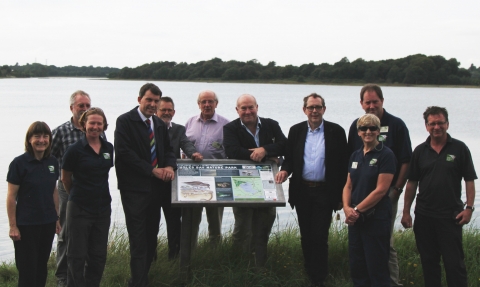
(144, 118)
(314, 155)
(255, 136)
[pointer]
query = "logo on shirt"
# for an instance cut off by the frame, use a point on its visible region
(354, 164)
(217, 145)
(106, 155)
(373, 161)
(382, 138)
(384, 129)
(51, 168)
(450, 157)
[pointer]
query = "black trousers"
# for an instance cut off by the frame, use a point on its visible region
(173, 220)
(87, 240)
(142, 217)
(32, 253)
(314, 216)
(437, 238)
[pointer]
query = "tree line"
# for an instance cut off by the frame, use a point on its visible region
(416, 69)
(39, 70)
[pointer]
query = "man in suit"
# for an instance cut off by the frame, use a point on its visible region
(144, 160)
(316, 156)
(253, 138)
(178, 140)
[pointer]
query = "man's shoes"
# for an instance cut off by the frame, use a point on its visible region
(62, 283)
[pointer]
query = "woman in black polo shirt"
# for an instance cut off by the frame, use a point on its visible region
(367, 206)
(32, 205)
(85, 168)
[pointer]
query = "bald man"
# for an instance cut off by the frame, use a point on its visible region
(253, 138)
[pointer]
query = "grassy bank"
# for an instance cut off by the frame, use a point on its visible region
(224, 266)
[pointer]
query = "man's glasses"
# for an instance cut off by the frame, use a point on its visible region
(436, 123)
(204, 102)
(166, 110)
(365, 128)
(312, 108)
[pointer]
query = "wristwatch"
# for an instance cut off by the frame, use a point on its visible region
(470, 207)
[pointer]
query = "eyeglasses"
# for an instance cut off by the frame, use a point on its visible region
(365, 128)
(166, 110)
(311, 108)
(204, 102)
(436, 123)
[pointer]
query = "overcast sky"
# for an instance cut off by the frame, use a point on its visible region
(131, 33)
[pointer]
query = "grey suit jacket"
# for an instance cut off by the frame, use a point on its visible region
(178, 140)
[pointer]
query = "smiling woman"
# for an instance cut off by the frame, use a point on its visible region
(32, 205)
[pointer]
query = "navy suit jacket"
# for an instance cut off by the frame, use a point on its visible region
(237, 140)
(132, 151)
(336, 161)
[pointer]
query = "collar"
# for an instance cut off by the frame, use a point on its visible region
(31, 158)
(85, 142)
(71, 125)
(320, 128)
(144, 118)
(259, 123)
(429, 139)
(214, 118)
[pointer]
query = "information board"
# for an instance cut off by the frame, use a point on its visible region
(226, 183)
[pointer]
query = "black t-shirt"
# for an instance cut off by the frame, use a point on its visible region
(37, 180)
(90, 189)
(440, 177)
(364, 171)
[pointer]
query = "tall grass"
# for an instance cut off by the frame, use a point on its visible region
(225, 266)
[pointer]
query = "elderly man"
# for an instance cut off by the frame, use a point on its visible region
(144, 161)
(178, 140)
(63, 136)
(253, 138)
(437, 168)
(316, 156)
(393, 134)
(205, 131)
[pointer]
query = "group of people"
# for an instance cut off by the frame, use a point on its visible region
(60, 185)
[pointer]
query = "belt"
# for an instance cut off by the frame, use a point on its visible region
(314, 183)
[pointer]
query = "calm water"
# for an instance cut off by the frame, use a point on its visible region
(27, 100)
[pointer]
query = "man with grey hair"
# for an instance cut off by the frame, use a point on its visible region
(205, 131)
(253, 138)
(63, 136)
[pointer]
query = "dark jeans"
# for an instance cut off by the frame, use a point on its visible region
(173, 221)
(437, 237)
(314, 217)
(61, 272)
(32, 253)
(142, 217)
(86, 246)
(369, 249)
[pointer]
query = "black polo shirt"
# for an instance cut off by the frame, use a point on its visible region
(90, 189)
(440, 177)
(394, 134)
(36, 180)
(364, 171)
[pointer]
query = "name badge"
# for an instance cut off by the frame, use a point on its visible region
(354, 165)
(106, 155)
(384, 129)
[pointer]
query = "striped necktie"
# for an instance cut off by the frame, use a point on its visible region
(153, 150)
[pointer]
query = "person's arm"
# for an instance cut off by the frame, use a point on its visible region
(401, 180)
(67, 180)
(188, 147)
(231, 143)
(407, 203)
(383, 184)
(58, 227)
(351, 215)
(12, 192)
(466, 215)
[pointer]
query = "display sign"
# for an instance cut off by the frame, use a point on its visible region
(226, 183)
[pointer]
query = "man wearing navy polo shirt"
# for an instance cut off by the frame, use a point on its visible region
(437, 168)
(394, 134)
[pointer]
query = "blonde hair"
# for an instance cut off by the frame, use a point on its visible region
(368, 120)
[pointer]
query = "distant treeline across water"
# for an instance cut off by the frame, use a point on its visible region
(412, 70)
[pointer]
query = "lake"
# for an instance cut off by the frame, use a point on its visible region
(47, 99)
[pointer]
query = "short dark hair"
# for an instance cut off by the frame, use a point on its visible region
(93, 111)
(167, 100)
(150, 87)
(371, 88)
(313, 95)
(435, 110)
(38, 128)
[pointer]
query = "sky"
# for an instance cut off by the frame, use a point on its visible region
(125, 33)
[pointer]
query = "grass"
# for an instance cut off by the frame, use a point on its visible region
(224, 266)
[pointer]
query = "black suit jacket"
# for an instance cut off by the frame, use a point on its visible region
(336, 161)
(237, 140)
(179, 140)
(132, 151)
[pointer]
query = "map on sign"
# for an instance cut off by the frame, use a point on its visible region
(245, 188)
